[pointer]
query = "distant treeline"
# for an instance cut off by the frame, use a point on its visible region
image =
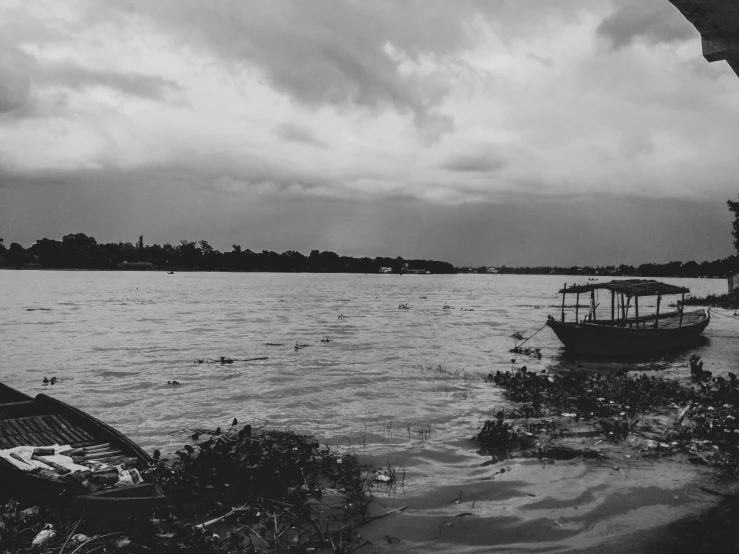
(718, 268)
(79, 251)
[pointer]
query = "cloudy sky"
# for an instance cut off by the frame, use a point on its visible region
(473, 131)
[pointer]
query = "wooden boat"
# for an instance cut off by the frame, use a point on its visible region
(45, 421)
(622, 334)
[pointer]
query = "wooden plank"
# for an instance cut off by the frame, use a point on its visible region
(65, 421)
(14, 428)
(23, 440)
(18, 425)
(83, 433)
(58, 421)
(49, 440)
(31, 421)
(67, 438)
(41, 423)
(37, 441)
(636, 309)
(563, 302)
(26, 426)
(75, 433)
(613, 304)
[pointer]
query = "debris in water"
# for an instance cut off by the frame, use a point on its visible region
(44, 536)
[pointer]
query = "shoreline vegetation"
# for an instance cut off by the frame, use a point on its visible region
(241, 490)
(78, 251)
(590, 416)
(586, 415)
(728, 301)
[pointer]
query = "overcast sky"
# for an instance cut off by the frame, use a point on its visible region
(514, 132)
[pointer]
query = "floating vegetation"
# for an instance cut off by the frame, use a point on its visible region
(326, 340)
(236, 491)
(226, 360)
(274, 344)
(447, 307)
(701, 422)
(588, 393)
(527, 351)
(342, 316)
(404, 307)
(442, 369)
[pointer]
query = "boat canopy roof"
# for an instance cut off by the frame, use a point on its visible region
(630, 287)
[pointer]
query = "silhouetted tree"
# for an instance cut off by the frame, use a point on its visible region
(734, 208)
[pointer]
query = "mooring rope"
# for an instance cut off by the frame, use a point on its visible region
(531, 337)
(725, 315)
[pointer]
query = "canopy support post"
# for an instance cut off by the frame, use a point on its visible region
(623, 310)
(577, 308)
(592, 303)
(682, 309)
(656, 319)
(613, 305)
(636, 308)
(563, 302)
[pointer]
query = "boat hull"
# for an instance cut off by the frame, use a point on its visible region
(596, 340)
(42, 421)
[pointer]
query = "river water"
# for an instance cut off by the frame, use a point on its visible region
(397, 386)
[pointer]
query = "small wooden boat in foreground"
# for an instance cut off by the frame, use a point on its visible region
(44, 421)
(623, 334)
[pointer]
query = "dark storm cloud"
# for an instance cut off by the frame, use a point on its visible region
(15, 83)
(293, 132)
(653, 20)
(319, 52)
(20, 71)
(480, 162)
(347, 53)
(610, 230)
(71, 75)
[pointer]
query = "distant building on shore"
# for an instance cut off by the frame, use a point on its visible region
(386, 270)
(733, 282)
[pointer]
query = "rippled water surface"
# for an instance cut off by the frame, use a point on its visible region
(114, 339)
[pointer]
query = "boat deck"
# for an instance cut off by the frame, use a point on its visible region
(42, 430)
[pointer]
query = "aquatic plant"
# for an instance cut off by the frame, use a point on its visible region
(705, 415)
(242, 490)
